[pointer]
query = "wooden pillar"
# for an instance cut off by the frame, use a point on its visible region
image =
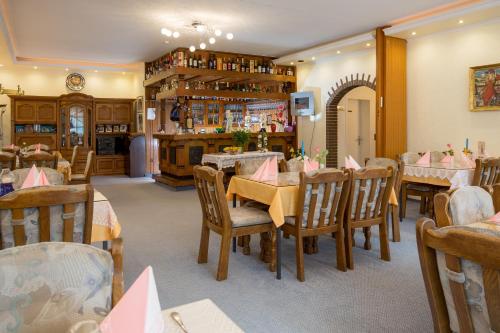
(391, 95)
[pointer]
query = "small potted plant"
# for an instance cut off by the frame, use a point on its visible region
(241, 138)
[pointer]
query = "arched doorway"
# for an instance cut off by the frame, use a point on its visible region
(340, 90)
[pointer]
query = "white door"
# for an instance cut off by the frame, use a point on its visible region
(358, 129)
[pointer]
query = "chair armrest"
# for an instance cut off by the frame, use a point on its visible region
(118, 282)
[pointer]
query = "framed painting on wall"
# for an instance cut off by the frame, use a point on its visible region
(484, 93)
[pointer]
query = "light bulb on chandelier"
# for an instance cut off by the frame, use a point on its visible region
(176, 34)
(229, 36)
(203, 46)
(166, 32)
(211, 40)
(217, 32)
(192, 48)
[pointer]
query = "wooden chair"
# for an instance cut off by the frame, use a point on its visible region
(368, 202)
(42, 159)
(14, 150)
(225, 221)
(84, 178)
(7, 160)
(398, 168)
(43, 147)
(73, 157)
(461, 269)
(464, 205)
(414, 189)
(487, 172)
(72, 215)
(321, 205)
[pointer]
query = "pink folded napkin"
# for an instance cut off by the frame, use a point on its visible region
(447, 159)
(138, 311)
(495, 218)
(267, 171)
(350, 163)
(425, 160)
(467, 161)
(310, 165)
(35, 178)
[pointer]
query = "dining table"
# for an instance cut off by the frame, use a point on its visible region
(453, 175)
(281, 195)
(225, 160)
(63, 166)
(105, 225)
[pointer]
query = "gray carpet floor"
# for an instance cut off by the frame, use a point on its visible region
(161, 228)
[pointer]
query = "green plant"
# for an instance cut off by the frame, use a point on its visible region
(241, 138)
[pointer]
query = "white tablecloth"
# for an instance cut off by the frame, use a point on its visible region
(456, 174)
(105, 224)
(200, 317)
(223, 160)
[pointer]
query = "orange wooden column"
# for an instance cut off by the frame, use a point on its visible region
(391, 95)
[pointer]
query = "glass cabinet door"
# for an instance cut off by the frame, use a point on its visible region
(213, 114)
(77, 125)
(236, 111)
(198, 113)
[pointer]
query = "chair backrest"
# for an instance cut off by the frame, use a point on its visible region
(53, 176)
(47, 213)
(409, 158)
(73, 156)
(7, 160)
(88, 166)
(369, 193)
(51, 286)
(43, 147)
(210, 187)
(42, 159)
(487, 172)
(464, 205)
(294, 165)
(461, 269)
(384, 162)
(436, 156)
(248, 166)
(13, 150)
(323, 198)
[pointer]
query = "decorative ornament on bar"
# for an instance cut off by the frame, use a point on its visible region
(207, 34)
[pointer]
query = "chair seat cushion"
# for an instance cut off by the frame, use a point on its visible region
(47, 287)
(291, 220)
(246, 216)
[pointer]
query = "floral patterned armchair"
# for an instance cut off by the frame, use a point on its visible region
(48, 287)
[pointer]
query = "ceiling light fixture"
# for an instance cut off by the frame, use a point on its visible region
(461, 21)
(35, 67)
(123, 73)
(211, 40)
(217, 32)
(95, 71)
(192, 48)
(203, 46)
(176, 34)
(291, 63)
(338, 51)
(229, 36)
(313, 58)
(66, 69)
(206, 33)
(368, 44)
(1, 65)
(166, 32)
(413, 33)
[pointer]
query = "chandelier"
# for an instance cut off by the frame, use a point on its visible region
(206, 34)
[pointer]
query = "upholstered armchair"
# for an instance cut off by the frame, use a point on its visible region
(460, 266)
(48, 287)
(465, 205)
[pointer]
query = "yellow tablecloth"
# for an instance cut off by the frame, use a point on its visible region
(105, 224)
(282, 200)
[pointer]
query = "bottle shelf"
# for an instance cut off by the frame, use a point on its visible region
(207, 75)
(170, 94)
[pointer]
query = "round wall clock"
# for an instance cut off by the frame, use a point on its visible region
(75, 81)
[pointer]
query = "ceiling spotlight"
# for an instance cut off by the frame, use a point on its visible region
(66, 69)
(338, 51)
(200, 28)
(167, 42)
(313, 58)
(192, 48)
(368, 44)
(211, 40)
(166, 32)
(35, 67)
(461, 21)
(217, 32)
(95, 71)
(1, 65)
(123, 73)
(291, 63)
(203, 46)
(413, 33)
(229, 36)
(176, 34)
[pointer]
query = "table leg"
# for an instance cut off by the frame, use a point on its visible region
(278, 253)
(234, 244)
(400, 205)
(105, 245)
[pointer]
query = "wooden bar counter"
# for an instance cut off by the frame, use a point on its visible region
(179, 153)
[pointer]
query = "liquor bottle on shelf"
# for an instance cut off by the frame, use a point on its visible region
(219, 64)
(233, 65)
(252, 66)
(195, 62)
(200, 61)
(259, 67)
(190, 63)
(189, 120)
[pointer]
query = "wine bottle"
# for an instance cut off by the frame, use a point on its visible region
(233, 65)
(195, 62)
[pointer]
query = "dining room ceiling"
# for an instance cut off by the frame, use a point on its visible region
(128, 31)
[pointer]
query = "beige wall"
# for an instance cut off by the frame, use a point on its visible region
(51, 81)
(438, 89)
(320, 76)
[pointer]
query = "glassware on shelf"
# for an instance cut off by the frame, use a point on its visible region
(7, 178)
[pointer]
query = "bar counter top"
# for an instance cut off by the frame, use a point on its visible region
(181, 137)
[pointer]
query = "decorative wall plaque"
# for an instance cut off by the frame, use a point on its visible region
(75, 81)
